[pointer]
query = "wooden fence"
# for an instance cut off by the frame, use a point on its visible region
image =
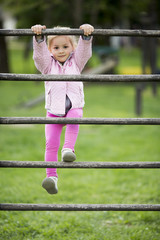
(103, 121)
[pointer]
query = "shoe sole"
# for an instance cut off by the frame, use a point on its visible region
(69, 157)
(49, 185)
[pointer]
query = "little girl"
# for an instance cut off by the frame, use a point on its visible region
(62, 99)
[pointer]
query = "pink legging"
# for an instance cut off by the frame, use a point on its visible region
(53, 134)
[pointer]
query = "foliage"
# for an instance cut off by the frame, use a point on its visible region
(60, 12)
(30, 12)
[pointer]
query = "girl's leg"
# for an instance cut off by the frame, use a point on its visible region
(72, 129)
(53, 133)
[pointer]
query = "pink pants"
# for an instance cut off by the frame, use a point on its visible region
(53, 134)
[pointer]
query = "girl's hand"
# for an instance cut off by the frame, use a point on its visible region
(37, 29)
(87, 28)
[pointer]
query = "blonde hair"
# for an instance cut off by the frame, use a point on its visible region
(72, 38)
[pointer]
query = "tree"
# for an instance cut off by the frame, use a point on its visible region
(4, 65)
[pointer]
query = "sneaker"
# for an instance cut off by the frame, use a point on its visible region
(68, 155)
(50, 185)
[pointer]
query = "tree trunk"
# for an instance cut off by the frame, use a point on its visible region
(4, 65)
(77, 13)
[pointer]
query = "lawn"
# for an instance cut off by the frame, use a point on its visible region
(95, 186)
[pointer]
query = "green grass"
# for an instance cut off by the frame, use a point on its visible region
(95, 186)
(130, 61)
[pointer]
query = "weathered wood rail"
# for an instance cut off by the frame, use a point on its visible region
(107, 165)
(97, 32)
(79, 207)
(82, 78)
(97, 121)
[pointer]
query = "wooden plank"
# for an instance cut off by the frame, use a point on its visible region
(107, 165)
(108, 65)
(97, 32)
(82, 78)
(79, 207)
(98, 121)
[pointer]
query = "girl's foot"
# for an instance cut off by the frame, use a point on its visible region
(68, 155)
(50, 185)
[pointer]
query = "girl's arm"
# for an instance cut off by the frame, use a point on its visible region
(41, 55)
(84, 48)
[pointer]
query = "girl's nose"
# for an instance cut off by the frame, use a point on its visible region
(61, 50)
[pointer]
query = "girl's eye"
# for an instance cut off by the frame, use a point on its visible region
(55, 48)
(65, 46)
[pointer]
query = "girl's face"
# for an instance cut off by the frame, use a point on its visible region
(61, 48)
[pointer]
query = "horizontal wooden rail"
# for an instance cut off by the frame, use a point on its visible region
(79, 207)
(98, 32)
(81, 78)
(108, 165)
(98, 121)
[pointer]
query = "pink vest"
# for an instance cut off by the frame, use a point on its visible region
(55, 92)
